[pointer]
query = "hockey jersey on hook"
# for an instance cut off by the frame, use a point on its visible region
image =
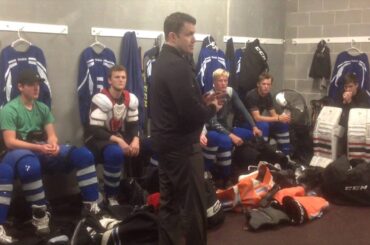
(210, 58)
(347, 63)
(13, 62)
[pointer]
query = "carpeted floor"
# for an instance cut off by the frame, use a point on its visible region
(339, 225)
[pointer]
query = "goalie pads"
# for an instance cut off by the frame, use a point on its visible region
(358, 136)
(326, 133)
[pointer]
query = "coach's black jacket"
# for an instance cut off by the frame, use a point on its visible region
(178, 112)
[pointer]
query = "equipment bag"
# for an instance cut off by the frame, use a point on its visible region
(256, 150)
(347, 183)
(138, 227)
(141, 227)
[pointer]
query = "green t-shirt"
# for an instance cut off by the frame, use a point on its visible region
(15, 116)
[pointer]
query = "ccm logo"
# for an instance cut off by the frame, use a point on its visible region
(355, 188)
(258, 49)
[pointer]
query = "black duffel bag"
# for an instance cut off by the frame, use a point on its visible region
(347, 182)
(255, 150)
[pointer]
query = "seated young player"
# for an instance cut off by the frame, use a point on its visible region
(259, 100)
(32, 149)
(113, 132)
(351, 97)
(221, 136)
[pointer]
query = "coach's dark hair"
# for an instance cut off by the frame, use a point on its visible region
(116, 68)
(350, 78)
(265, 76)
(175, 21)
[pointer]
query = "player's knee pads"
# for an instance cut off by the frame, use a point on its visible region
(6, 174)
(28, 168)
(24, 163)
(218, 139)
(113, 155)
(81, 157)
(280, 127)
(225, 142)
(243, 133)
(14, 156)
(213, 138)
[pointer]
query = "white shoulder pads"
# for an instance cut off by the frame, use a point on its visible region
(98, 117)
(134, 102)
(103, 102)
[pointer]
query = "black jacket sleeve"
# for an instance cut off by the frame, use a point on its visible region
(188, 101)
(132, 129)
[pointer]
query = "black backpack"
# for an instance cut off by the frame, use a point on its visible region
(255, 150)
(131, 192)
(347, 182)
(141, 227)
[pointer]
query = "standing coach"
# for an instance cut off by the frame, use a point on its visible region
(178, 113)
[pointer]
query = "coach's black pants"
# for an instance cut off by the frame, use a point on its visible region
(183, 202)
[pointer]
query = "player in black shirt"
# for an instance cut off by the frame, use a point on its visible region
(258, 101)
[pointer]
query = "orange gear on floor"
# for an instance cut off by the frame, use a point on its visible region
(298, 206)
(313, 205)
(249, 190)
(292, 191)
